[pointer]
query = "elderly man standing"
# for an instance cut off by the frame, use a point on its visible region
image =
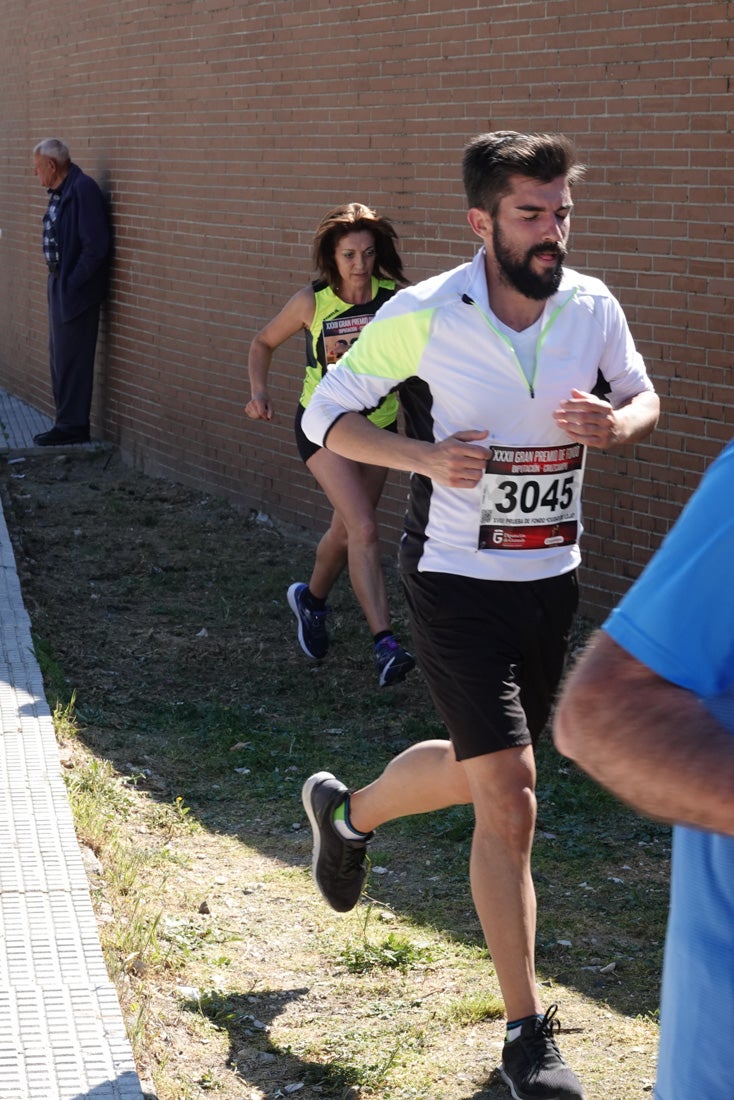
(76, 247)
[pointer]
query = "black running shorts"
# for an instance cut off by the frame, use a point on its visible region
(492, 653)
(306, 448)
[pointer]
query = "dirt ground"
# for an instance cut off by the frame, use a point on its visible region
(161, 611)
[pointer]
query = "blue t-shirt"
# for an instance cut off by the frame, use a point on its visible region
(678, 619)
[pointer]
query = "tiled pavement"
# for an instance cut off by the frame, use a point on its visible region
(62, 1035)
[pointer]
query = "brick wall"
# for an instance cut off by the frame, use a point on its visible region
(223, 130)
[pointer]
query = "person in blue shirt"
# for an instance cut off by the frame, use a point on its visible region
(648, 711)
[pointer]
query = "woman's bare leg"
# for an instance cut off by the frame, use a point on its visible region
(354, 491)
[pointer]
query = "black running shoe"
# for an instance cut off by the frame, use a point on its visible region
(393, 663)
(532, 1065)
(339, 865)
(312, 636)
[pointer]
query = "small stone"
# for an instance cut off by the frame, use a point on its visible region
(90, 861)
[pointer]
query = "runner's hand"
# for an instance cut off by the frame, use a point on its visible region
(456, 461)
(588, 420)
(259, 407)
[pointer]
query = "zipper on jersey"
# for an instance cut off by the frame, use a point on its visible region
(529, 382)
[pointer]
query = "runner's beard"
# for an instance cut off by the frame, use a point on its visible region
(518, 273)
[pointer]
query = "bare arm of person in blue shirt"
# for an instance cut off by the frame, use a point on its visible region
(650, 742)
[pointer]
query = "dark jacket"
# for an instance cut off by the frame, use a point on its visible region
(83, 234)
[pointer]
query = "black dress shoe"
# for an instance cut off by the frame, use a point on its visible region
(56, 437)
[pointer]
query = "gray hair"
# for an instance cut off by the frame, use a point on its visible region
(54, 148)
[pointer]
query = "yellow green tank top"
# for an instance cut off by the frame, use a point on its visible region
(335, 327)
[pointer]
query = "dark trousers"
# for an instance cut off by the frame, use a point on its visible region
(71, 352)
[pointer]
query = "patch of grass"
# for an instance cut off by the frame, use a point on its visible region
(341, 1078)
(192, 719)
(474, 1008)
(221, 1008)
(187, 936)
(57, 689)
(99, 801)
(394, 952)
(132, 943)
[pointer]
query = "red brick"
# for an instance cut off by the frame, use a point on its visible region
(226, 129)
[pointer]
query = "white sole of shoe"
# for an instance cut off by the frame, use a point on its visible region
(293, 604)
(308, 786)
(508, 1082)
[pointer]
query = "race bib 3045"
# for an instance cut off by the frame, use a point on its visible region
(531, 497)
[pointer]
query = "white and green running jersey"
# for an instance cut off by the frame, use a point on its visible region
(335, 327)
(441, 347)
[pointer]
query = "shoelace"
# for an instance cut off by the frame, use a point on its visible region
(353, 854)
(545, 1030)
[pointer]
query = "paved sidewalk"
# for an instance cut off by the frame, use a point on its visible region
(62, 1035)
(19, 422)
